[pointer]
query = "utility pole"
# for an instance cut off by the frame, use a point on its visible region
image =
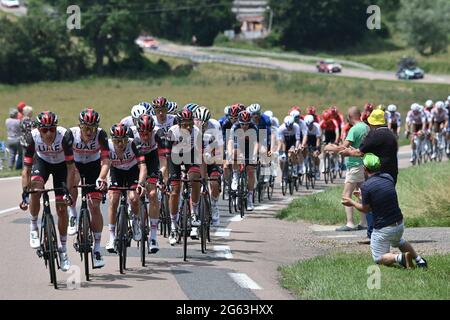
(270, 19)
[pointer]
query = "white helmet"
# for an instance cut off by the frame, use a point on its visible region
(288, 121)
(172, 107)
(225, 111)
(415, 107)
(202, 114)
(138, 110)
(254, 108)
(428, 103)
(309, 119)
(268, 113)
(448, 98)
(275, 122)
(392, 108)
(440, 105)
(295, 113)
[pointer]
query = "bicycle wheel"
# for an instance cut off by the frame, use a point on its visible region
(186, 214)
(84, 237)
(208, 218)
(144, 232)
(242, 204)
(122, 239)
(203, 223)
(284, 180)
(270, 187)
(307, 176)
(326, 169)
(51, 249)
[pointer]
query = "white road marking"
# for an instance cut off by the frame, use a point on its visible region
(244, 281)
(222, 232)
(318, 227)
(223, 252)
(235, 218)
(10, 178)
(17, 208)
(343, 236)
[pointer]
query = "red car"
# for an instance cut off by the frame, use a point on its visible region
(147, 42)
(328, 66)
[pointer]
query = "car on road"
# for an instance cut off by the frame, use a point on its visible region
(408, 69)
(10, 3)
(328, 66)
(147, 42)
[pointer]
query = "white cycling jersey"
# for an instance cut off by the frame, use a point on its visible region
(85, 152)
(394, 118)
(170, 119)
(289, 136)
(415, 118)
(439, 116)
(59, 151)
(213, 132)
(127, 121)
(130, 156)
(315, 130)
(428, 116)
(180, 137)
(143, 146)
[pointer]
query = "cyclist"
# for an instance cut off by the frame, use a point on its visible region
(144, 135)
(136, 112)
(49, 151)
(128, 169)
(163, 122)
(212, 147)
(336, 115)
(289, 136)
(185, 148)
(394, 120)
(414, 123)
(303, 130)
(330, 130)
(244, 143)
(312, 111)
(312, 139)
(295, 108)
(261, 121)
(233, 113)
(223, 119)
(91, 155)
(274, 144)
(439, 122)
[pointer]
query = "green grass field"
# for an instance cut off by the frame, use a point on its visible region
(343, 276)
(422, 194)
(214, 86)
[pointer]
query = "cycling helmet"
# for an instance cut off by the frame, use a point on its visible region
(309, 119)
(428, 104)
(119, 130)
(172, 106)
(138, 111)
(240, 106)
(288, 121)
(160, 102)
(147, 107)
(440, 105)
(89, 117)
(381, 107)
(202, 114)
(192, 107)
(448, 98)
(333, 110)
(326, 115)
(311, 110)
(415, 107)
(234, 110)
(254, 109)
(244, 117)
(226, 110)
(295, 114)
(268, 113)
(392, 108)
(145, 123)
(295, 108)
(47, 119)
(185, 115)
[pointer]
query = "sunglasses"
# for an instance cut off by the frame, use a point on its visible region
(161, 110)
(233, 118)
(119, 140)
(45, 130)
(143, 132)
(88, 128)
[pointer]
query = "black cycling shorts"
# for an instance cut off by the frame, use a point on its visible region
(41, 171)
(124, 178)
(312, 141)
(90, 172)
(175, 171)
(330, 137)
(152, 163)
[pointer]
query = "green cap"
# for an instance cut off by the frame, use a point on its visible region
(371, 162)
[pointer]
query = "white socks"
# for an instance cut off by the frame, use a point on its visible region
(33, 223)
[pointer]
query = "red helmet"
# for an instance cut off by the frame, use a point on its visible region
(21, 105)
(240, 106)
(119, 130)
(333, 110)
(297, 108)
(145, 123)
(326, 115)
(244, 117)
(234, 110)
(185, 115)
(311, 110)
(47, 119)
(89, 117)
(160, 102)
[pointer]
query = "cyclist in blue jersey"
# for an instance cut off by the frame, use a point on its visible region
(225, 117)
(261, 121)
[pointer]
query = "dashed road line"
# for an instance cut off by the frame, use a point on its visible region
(223, 252)
(244, 281)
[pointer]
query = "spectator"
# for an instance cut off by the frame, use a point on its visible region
(26, 126)
(355, 169)
(13, 141)
(378, 195)
(382, 142)
(20, 108)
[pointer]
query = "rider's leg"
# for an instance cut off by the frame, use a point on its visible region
(97, 220)
(74, 194)
(194, 173)
(114, 198)
(63, 220)
(153, 210)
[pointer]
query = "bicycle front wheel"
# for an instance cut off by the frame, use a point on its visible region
(203, 223)
(122, 239)
(186, 214)
(52, 245)
(86, 246)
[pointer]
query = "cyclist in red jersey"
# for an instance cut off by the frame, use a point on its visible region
(312, 111)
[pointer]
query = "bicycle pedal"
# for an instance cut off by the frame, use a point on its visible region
(39, 253)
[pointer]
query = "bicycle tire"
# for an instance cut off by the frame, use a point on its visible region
(242, 185)
(208, 219)
(291, 187)
(326, 168)
(84, 217)
(185, 216)
(144, 236)
(122, 239)
(202, 212)
(270, 188)
(52, 242)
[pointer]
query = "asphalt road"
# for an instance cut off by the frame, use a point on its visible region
(241, 262)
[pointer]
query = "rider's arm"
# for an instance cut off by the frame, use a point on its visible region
(67, 144)
(104, 155)
(28, 162)
(141, 164)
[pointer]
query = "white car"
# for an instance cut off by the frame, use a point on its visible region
(10, 3)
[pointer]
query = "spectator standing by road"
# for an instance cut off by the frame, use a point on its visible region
(20, 106)
(13, 141)
(379, 196)
(355, 169)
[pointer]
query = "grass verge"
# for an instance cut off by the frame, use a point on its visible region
(346, 276)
